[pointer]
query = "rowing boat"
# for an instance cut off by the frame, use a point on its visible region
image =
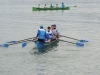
(40, 44)
(44, 9)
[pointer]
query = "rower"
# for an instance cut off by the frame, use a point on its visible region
(56, 5)
(53, 32)
(63, 5)
(39, 6)
(51, 6)
(45, 6)
(41, 34)
(49, 34)
(56, 30)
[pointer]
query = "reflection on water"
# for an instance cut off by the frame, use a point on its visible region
(53, 46)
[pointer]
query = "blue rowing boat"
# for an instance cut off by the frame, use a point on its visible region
(40, 44)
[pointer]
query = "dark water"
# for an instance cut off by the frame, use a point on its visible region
(18, 21)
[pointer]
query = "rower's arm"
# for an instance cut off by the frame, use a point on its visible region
(55, 33)
(37, 34)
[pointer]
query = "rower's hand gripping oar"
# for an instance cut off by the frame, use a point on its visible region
(75, 39)
(77, 44)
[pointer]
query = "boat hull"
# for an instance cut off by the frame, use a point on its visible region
(44, 9)
(40, 45)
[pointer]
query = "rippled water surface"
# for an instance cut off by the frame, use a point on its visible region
(18, 22)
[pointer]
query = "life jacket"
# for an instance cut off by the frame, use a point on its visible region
(50, 34)
(41, 33)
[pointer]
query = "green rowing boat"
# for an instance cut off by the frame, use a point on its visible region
(44, 9)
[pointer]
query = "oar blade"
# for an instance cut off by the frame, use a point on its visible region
(24, 44)
(80, 44)
(4, 45)
(84, 41)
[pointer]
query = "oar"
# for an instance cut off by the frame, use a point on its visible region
(11, 41)
(75, 6)
(25, 43)
(74, 38)
(21, 41)
(71, 6)
(77, 44)
(4, 45)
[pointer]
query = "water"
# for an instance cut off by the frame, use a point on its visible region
(18, 21)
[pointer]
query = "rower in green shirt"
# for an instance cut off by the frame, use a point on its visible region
(51, 6)
(56, 5)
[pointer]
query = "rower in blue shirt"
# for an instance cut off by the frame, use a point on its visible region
(63, 5)
(41, 34)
